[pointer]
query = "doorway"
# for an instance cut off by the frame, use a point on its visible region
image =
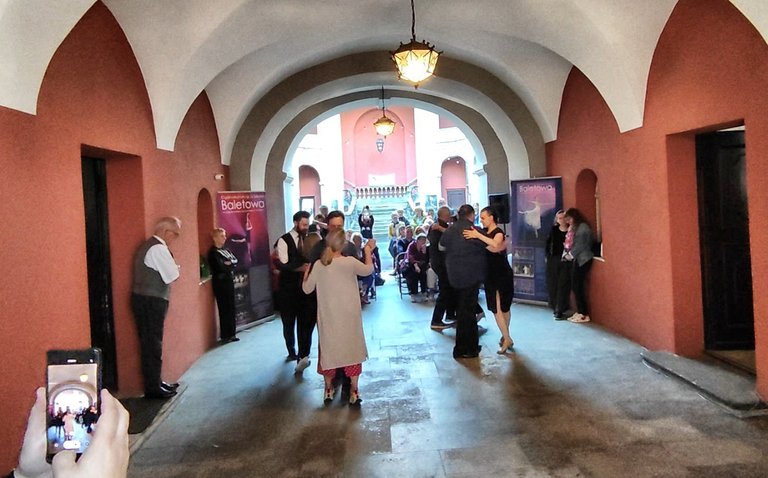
(99, 266)
(456, 197)
(726, 264)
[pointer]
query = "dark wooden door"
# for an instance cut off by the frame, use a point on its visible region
(726, 265)
(99, 268)
(456, 198)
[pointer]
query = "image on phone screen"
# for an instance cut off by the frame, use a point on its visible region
(73, 408)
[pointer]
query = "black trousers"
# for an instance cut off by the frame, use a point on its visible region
(446, 299)
(563, 286)
(413, 279)
(224, 291)
(149, 313)
(553, 263)
(306, 324)
(467, 339)
(292, 307)
(578, 283)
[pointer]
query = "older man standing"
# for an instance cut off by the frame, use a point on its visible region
(153, 271)
(465, 262)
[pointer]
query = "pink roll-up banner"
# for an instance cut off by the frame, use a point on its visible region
(243, 214)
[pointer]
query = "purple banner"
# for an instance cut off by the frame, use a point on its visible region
(244, 216)
(532, 208)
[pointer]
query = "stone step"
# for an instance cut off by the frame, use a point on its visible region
(733, 390)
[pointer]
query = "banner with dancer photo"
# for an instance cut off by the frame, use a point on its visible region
(532, 208)
(244, 216)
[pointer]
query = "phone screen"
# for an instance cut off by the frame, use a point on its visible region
(73, 399)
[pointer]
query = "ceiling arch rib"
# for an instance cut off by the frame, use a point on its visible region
(502, 103)
(192, 57)
(31, 32)
(366, 99)
(496, 158)
(513, 147)
(538, 77)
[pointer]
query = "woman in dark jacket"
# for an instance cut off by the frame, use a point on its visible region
(365, 221)
(580, 252)
(558, 270)
(223, 263)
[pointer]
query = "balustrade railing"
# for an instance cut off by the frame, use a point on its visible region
(377, 192)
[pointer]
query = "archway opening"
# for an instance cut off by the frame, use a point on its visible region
(588, 202)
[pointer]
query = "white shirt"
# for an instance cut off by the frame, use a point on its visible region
(282, 247)
(159, 258)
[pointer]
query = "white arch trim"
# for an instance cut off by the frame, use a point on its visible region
(510, 138)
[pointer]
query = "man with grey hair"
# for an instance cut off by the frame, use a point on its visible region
(153, 271)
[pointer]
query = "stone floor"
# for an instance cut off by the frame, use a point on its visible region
(573, 400)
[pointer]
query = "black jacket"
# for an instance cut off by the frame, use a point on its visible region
(465, 259)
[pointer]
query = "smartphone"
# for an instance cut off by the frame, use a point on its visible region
(73, 384)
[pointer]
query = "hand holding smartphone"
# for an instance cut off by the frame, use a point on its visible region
(73, 386)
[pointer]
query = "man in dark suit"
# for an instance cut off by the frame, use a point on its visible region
(465, 263)
(445, 303)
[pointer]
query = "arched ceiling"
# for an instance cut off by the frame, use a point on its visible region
(239, 50)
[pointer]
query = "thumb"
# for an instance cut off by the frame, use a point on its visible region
(64, 464)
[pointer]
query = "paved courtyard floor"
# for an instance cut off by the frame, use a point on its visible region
(572, 400)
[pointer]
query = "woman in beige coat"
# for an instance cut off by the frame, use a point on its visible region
(339, 316)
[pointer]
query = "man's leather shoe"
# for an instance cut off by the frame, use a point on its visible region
(169, 386)
(161, 394)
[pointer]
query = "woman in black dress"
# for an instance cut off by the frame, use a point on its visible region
(223, 263)
(499, 284)
(558, 270)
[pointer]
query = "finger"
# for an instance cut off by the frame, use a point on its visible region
(123, 416)
(110, 417)
(36, 423)
(64, 463)
(34, 448)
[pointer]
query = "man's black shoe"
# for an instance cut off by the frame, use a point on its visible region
(440, 326)
(169, 386)
(160, 394)
(473, 354)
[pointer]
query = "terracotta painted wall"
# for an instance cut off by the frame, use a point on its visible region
(93, 94)
(710, 70)
(359, 146)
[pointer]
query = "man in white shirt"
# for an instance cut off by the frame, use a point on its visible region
(290, 251)
(154, 269)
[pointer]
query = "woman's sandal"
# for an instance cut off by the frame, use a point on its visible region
(328, 395)
(504, 346)
(354, 398)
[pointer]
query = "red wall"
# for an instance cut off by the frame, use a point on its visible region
(359, 146)
(709, 70)
(93, 100)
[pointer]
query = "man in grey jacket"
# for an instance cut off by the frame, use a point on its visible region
(466, 264)
(153, 271)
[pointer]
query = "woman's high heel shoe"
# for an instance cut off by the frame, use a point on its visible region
(505, 346)
(328, 395)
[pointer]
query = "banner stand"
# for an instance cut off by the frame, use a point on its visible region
(533, 204)
(243, 214)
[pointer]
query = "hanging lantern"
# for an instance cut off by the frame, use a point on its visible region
(415, 61)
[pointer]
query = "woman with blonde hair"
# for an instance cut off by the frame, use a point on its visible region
(339, 314)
